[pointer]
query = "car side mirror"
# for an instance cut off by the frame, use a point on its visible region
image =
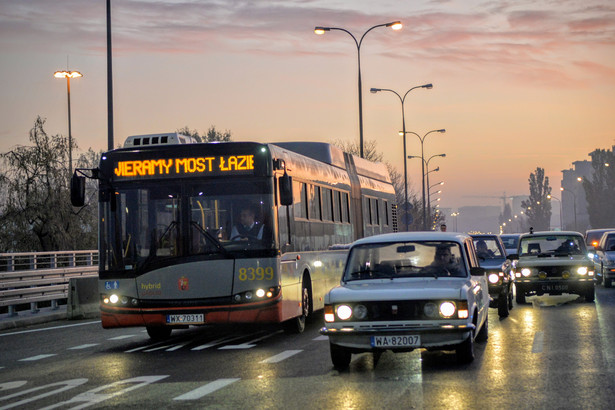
(477, 271)
(513, 256)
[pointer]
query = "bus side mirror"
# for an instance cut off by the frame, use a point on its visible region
(77, 190)
(286, 189)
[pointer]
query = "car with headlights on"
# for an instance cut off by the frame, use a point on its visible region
(492, 257)
(404, 291)
(553, 263)
(604, 259)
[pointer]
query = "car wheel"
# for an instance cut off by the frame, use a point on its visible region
(503, 305)
(520, 297)
(159, 332)
(340, 356)
(510, 298)
(465, 350)
(483, 335)
(590, 294)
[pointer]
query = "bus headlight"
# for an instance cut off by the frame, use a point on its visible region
(260, 293)
(114, 298)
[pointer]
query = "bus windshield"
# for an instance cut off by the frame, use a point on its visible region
(146, 224)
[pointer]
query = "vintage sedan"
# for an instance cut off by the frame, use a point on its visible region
(553, 263)
(492, 257)
(405, 291)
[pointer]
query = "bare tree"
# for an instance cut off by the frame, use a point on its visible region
(35, 210)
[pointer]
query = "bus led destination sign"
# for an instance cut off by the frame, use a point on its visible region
(169, 167)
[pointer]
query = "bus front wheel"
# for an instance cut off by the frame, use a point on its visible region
(297, 324)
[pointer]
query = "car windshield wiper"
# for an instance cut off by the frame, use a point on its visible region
(367, 274)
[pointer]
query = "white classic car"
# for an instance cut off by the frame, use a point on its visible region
(408, 290)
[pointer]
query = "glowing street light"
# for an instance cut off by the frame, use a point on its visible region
(395, 25)
(68, 75)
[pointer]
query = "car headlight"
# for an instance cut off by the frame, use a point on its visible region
(431, 310)
(582, 270)
(526, 272)
(494, 278)
(360, 312)
(344, 312)
(447, 309)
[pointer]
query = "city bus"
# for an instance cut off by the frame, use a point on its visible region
(170, 209)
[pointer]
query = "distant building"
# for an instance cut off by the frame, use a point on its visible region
(483, 219)
(572, 195)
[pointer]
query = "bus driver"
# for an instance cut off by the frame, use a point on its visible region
(248, 227)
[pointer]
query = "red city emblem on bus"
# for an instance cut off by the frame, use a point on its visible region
(182, 283)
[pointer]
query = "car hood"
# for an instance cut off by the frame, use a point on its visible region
(399, 289)
(492, 263)
(551, 261)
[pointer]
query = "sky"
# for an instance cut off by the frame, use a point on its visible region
(516, 84)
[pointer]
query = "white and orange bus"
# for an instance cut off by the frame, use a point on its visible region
(168, 206)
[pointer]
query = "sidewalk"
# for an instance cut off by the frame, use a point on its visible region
(26, 318)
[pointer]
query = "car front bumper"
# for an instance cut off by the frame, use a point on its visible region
(435, 336)
(553, 286)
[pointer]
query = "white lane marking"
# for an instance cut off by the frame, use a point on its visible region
(250, 344)
(48, 328)
(85, 346)
(63, 386)
(153, 349)
(177, 347)
(538, 342)
(12, 385)
(136, 349)
(216, 342)
(121, 337)
(92, 397)
(38, 357)
(206, 389)
(322, 337)
(282, 356)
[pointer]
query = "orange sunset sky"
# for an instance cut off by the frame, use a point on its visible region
(517, 84)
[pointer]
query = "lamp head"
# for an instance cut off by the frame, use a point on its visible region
(374, 90)
(321, 30)
(395, 25)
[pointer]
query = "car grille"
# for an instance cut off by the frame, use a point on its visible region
(557, 271)
(395, 310)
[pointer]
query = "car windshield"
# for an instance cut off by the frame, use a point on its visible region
(405, 259)
(488, 248)
(510, 242)
(552, 245)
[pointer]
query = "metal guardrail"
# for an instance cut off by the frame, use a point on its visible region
(30, 278)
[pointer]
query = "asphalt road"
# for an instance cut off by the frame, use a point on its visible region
(553, 352)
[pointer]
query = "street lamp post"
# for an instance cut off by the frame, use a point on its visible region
(68, 75)
(561, 224)
(455, 215)
(422, 139)
(574, 206)
(395, 25)
(403, 124)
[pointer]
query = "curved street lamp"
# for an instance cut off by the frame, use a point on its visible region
(68, 75)
(561, 224)
(422, 139)
(395, 25)
(403, 124)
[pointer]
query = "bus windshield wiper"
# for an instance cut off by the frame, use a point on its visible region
(210, 238)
